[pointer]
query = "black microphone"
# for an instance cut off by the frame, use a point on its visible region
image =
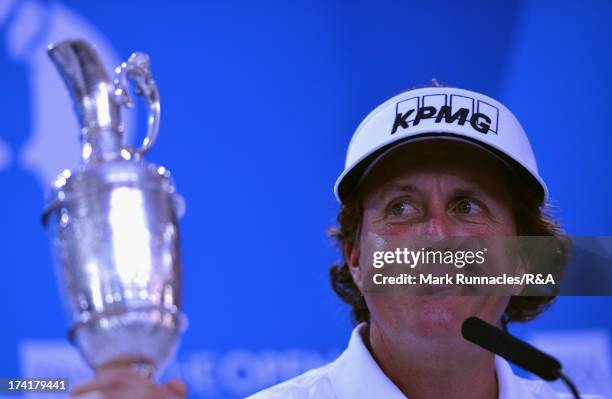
(514, 350)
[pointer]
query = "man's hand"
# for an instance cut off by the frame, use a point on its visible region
(122, 382)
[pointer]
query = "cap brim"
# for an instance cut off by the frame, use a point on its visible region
(348, 183)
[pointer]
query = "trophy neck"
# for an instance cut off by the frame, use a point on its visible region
(93, 96)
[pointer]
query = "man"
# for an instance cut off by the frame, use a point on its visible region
(430, 162)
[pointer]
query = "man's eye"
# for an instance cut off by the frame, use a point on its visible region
(400, 208)
(467, 207)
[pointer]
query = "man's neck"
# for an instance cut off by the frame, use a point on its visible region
(424, 368)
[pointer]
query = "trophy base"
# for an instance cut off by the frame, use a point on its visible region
(144, 338)
(142, 366)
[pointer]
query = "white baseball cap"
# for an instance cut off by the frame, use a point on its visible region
(439, 113)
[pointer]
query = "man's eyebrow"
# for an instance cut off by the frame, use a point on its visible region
(471, 190)
(398, 188)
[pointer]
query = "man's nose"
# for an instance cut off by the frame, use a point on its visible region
(438, 225)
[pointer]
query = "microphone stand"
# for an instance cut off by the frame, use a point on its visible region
(515, 351)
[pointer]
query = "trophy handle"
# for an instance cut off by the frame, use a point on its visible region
(136, 69)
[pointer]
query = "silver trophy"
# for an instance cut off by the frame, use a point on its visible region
(114, 222)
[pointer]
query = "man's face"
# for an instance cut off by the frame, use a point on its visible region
(433, 188)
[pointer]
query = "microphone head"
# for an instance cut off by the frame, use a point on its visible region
(510, 348)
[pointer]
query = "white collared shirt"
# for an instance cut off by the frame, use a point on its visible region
(356, 375)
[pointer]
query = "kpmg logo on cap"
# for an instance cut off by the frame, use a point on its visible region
(446, 108)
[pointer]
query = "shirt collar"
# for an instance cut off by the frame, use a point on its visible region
(356, 375)
(508, 384)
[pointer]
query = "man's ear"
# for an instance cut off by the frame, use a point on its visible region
(351, 254)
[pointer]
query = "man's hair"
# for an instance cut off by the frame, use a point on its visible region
(530, 219)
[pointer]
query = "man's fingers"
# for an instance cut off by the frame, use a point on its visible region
(177, 387)
(124, 382)
(88, 395)
(111, 377)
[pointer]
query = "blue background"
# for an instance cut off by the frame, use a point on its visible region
(258, 105)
